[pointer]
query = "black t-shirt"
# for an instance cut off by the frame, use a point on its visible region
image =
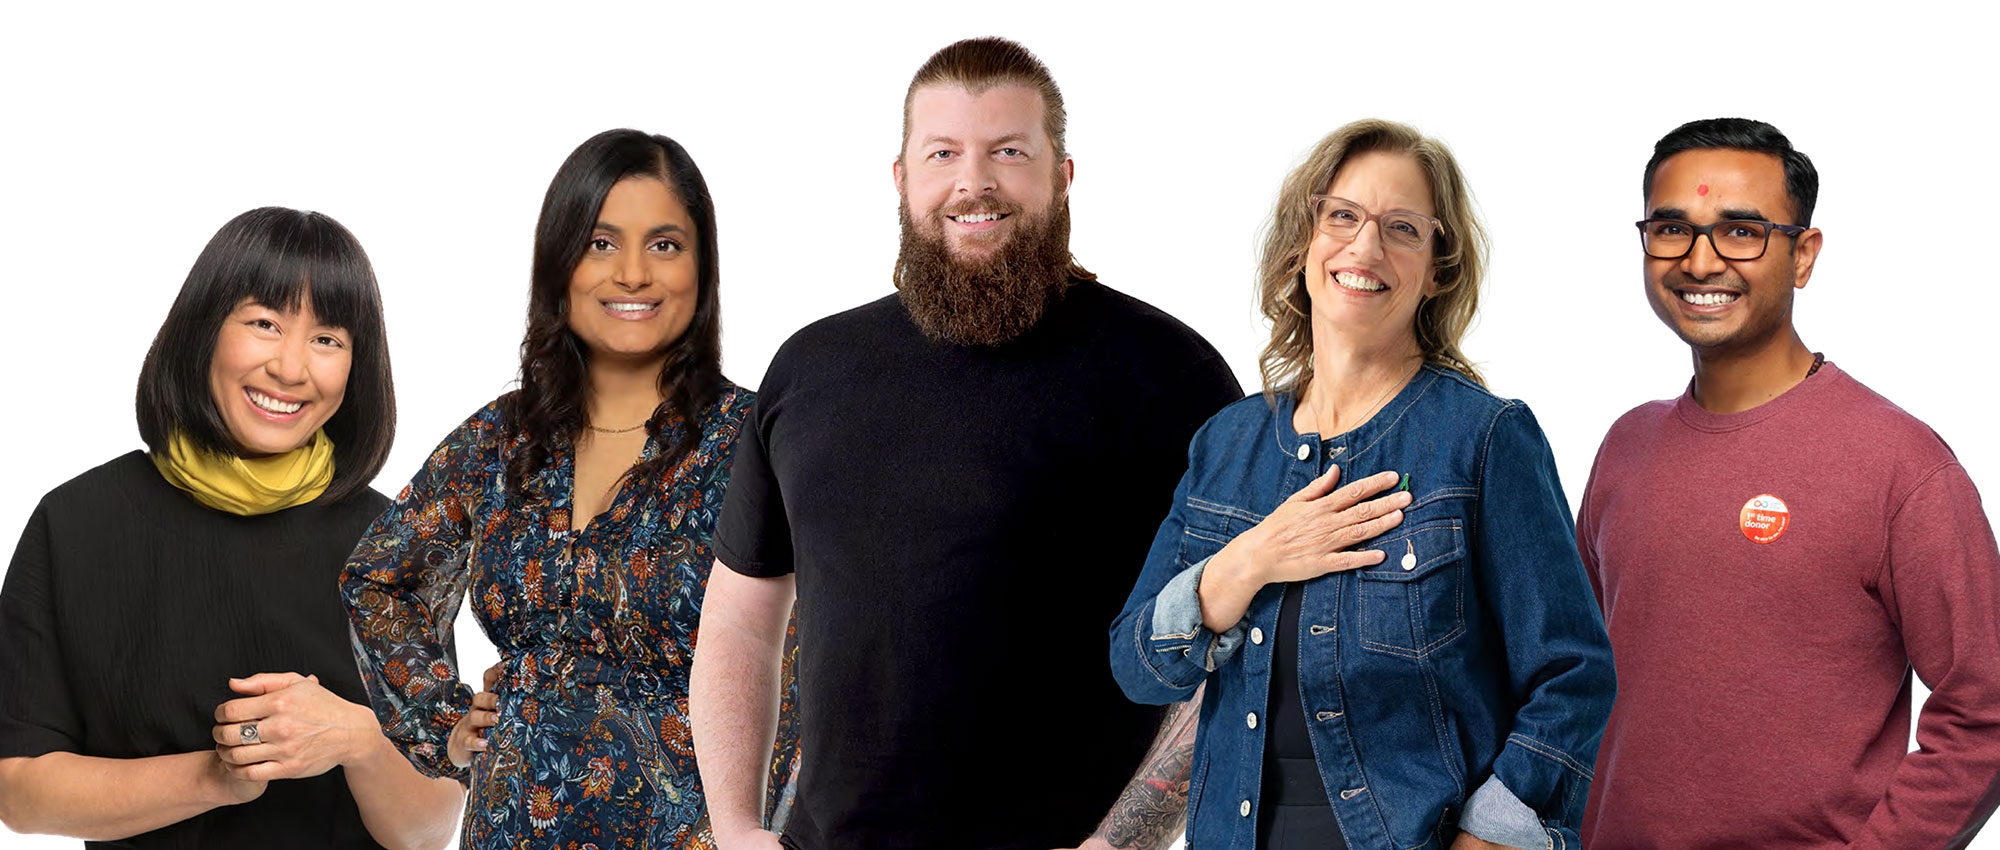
(127, 608)
(964, 523)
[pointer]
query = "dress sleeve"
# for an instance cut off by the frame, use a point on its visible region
(36, 715)
(1940, 584)
(1558, 655)
(403, 586)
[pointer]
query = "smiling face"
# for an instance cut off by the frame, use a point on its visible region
(276, 377)
(1719, 305)
(978, 169)
(1363, 287)
(633, 292)
(984, 213)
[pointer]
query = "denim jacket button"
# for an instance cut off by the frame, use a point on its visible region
(1251, 719)
(1257, 636)
(1305, 451)
(1244, 809)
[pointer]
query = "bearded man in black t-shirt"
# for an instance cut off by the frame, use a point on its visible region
(959, 483)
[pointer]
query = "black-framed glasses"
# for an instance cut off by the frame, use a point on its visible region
(1735, 239)
(1341, 218)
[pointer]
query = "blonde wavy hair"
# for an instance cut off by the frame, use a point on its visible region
(1458, 253)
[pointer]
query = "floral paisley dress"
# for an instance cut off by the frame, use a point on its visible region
(595, 629)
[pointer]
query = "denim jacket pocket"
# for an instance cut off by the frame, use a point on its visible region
(1413, 603)
(1209, 527)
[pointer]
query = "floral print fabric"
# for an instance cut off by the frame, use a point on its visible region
(595, 630)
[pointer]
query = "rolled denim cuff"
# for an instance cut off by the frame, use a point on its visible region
(1177, 615)
(1494, 814)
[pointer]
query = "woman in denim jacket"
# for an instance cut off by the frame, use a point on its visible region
(1422, 669)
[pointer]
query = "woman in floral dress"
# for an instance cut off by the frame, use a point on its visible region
(576, 512)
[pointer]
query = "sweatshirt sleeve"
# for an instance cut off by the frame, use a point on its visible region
(1941, 586)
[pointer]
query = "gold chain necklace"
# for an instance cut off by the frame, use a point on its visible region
(1373, 408)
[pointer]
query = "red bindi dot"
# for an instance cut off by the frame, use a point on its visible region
(1701, 190)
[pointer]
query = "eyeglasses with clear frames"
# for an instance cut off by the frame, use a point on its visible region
(1736, 239)
(1341, 218)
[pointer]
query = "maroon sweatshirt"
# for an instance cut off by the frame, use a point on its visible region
(1769, 579)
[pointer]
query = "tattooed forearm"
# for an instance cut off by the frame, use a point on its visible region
(1149, 813)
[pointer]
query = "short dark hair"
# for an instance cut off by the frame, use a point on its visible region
(1744, 134)
(554, 371)
(279, 258)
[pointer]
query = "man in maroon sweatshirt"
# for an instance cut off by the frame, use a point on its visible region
(1774, 552)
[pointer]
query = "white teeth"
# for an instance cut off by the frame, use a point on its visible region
(976, 218)
(274, 405)
(1358, 283)
(1708, 299)
(629, 306)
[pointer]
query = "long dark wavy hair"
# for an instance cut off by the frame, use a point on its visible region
(549, 407)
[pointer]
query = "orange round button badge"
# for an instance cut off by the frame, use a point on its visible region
(1764, 518)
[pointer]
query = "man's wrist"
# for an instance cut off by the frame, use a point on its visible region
(727, 828)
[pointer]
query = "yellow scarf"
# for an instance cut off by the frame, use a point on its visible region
(248, 486)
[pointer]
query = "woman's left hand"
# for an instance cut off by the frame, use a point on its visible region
(287, 726)
(1468, 841)
(468, 736)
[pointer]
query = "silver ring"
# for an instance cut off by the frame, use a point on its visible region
(248, 733)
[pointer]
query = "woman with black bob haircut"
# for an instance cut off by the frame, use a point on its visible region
(174, 645)
(577, 512)
(280, 258)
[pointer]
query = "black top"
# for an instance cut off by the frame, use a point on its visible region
(964, 523)
(1289, 738)
(1296, 811)
(127, 608)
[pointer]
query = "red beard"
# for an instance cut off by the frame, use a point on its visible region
(990, 300)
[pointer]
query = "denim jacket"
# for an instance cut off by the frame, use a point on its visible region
(1462, 683)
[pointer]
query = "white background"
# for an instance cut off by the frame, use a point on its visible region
(431, 130)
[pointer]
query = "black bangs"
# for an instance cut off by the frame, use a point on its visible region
(308, 258)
